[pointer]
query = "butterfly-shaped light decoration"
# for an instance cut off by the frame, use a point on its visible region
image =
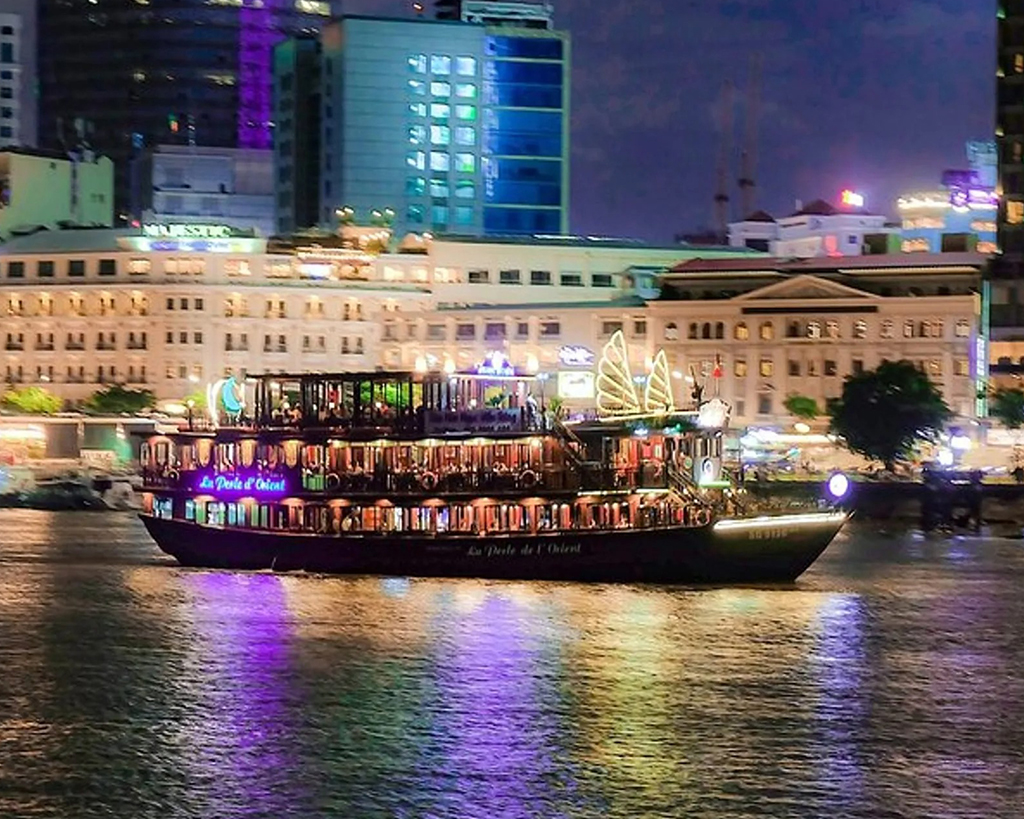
(658, 395)
(616, 392)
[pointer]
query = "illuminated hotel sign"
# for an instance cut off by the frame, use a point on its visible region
(852, 199)
(496, 365)
(187, 231)
(576, 357)
(267, 485)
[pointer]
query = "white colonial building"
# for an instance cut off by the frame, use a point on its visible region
(759, 331)
(172, 307)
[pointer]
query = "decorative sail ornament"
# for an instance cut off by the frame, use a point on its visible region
(658, 395)
(616, 392)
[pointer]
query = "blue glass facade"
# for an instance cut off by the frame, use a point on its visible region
(524, 147)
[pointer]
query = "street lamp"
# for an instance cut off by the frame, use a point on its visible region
(191, 405)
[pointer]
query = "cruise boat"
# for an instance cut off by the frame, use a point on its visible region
(458, 475)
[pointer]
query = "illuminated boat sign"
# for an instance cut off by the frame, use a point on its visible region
(495, 365)
(572, 356)
(270, 485)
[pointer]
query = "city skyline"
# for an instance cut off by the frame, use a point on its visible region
(655, 178)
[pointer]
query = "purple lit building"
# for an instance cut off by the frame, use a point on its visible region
(124, 77)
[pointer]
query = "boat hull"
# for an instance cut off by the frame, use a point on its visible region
(765, 550)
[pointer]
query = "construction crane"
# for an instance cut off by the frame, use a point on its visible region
(724, 153)
(748, 158)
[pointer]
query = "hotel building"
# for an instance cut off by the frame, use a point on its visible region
(172, 307)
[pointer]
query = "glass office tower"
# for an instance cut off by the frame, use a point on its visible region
(456, 127)
(123, 75)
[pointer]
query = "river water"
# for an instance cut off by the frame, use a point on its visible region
(889, 682)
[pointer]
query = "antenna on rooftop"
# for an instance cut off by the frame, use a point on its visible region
(748, 159)
(724, 152)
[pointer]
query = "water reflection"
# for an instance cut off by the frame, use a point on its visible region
(890, 681)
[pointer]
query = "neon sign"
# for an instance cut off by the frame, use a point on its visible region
(572, 356)
(186, 231)
(239, 484)
(852, 199)
(496, 365)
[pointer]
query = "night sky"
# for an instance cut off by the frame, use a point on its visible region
(878, 95)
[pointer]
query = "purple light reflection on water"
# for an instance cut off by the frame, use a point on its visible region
(504, 745)
(842, 705)
(243, 738)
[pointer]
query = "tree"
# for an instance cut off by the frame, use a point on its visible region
(1007, 405)
(801, 406)
(198, 399)
(31, 401)
(115, 400)
(883, 413)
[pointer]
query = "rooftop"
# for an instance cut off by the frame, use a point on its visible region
(609, 242)
(885, 261)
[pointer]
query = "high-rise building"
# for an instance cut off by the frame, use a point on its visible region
(122, 77)
(1006, 288)
(18, 101)
(436, 125)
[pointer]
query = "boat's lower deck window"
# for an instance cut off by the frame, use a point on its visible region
(163, 508)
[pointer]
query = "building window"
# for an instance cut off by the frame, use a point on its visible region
(812, 369)
(610, 327)
(1014, 212)
(767, 368)
(832, 329)
(417, 134)
(440, 110)
(830, 369)
(860, 329)
(417, 109)
(479, 276)
(44, 270)
(16, 270)
(742, 332)
(466, 91)
(415, 186)
(962, 366)
(463, 215)
(439, 188)
(107, 267)
(76, 267)
(550, 329)
(740, 368)
(138, 267)
(963, 328)
(509, 277)
(440, 65)
(764, 405)
(439, 216)
(465, 189)
(522, 329)
(640, 328)
(436, 332)
(464, 163)
(418, 63)
(465, 66)
(467, 113)
(794, 369)
(417, 160)
(857, 366)
(465, 135)
(814, 329)
(494, 331)
(440, 135)
(417, 87)
(671, 331)
(571, 279)
(908, 329)
(440, 161)
(465, 332)
(540, 277)
(887, 328)
(414, 214)
(601, 280)
(440, 89)
(767, 331)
